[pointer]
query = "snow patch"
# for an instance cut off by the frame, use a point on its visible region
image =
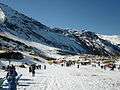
(2, 16)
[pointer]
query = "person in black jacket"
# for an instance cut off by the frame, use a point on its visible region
(30, 69)
(33, 67)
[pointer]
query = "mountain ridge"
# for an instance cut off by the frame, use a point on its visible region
(59, 40)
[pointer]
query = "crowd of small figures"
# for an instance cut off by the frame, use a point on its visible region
(102, 64)
(32, 67)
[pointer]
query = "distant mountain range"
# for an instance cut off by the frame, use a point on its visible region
(114, 39)
(21, 33)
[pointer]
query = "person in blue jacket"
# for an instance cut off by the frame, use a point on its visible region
(11, 78)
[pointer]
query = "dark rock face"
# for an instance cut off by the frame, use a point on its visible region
(11, 55)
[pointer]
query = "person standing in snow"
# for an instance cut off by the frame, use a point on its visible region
(78, 66)
(11, 78)
(33, 72)
(39, 66)
(33, 69)
(45, 67)
(30, 69)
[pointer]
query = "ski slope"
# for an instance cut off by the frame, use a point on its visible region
(56, 77)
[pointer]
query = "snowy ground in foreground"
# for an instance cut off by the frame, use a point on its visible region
(68, 78)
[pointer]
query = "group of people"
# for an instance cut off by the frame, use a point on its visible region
(111, 66)
(33, 67)
(68, 63)
(12, 74)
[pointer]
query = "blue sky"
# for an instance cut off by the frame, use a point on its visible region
(100, 16)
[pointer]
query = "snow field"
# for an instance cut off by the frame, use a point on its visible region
(56, 77)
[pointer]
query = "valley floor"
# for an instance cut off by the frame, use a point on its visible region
(56, 77)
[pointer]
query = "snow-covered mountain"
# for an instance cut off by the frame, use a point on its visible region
(52, 42)
(115, 39)
(28, 29)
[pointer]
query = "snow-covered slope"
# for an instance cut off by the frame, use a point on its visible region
(51, 42)
(29, 29)
(2, 16)
(115, 39)
(96, 45)
(56, 77)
